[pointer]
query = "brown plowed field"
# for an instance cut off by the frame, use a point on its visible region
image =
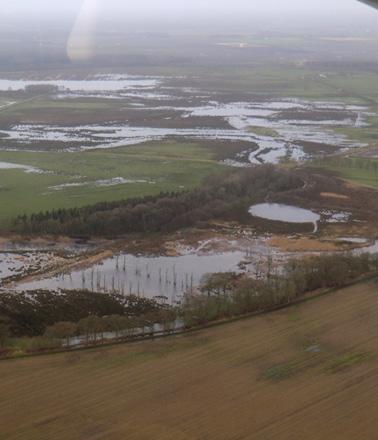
(307, 373)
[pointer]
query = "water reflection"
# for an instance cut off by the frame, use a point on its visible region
(167, 278)
(285, 213)
(292, 123)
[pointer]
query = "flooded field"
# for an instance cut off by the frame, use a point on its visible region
(18, 264)
(167, 278)
(84, 114)
(22, 258)
(96, 83)
(332, 216)
(294, 125)
(16, 166)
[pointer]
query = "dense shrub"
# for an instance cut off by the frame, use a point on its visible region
(31, 313)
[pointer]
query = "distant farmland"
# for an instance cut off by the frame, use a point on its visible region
(309, 372)
(356, 169)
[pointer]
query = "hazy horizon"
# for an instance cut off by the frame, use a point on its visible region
(163, 9)
(81, 29)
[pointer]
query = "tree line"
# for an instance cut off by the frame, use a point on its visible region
(354, 163)
(54, 318)
(223, 196)
(230, 295)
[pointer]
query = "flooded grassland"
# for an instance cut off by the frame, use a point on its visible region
(72, 141)
(113, 111)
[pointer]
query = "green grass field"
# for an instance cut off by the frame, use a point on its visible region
(263, 131)
(361, 170)
(367, 134)
(167, 166)
(308, 372)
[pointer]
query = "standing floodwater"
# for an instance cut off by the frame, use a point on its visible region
(169, 277)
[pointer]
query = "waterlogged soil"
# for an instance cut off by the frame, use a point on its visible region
(107, 111)
(180, 267)
(16, 166)
(168, 268)
(305, 245)
(157, 265)
(16, 264)
(22, 257)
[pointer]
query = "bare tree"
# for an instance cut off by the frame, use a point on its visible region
(4, 330)
(62, 330)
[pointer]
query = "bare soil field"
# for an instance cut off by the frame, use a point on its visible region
(310, 371)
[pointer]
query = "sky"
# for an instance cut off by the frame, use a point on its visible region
(84, 19)
(179, 9)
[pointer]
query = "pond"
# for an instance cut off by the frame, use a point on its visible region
(285, 213)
